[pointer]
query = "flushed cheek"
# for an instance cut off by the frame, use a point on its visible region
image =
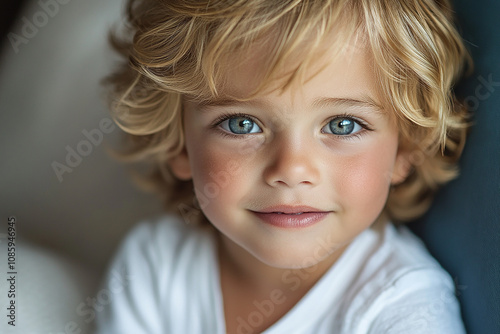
(220, 177)
(363, 187)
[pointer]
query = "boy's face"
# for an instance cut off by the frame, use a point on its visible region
(324, 145)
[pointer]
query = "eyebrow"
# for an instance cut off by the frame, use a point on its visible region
(363, 102)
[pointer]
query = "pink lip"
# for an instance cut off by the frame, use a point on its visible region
(291, 216)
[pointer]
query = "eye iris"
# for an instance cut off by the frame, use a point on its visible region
(341, 126)
(240, 125)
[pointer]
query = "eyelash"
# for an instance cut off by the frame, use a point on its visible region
(357, 135)
(223, 117)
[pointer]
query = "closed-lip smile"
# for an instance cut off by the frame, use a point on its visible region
(291, 216)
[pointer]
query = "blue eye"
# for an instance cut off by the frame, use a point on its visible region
(342, 126)
(240, 125)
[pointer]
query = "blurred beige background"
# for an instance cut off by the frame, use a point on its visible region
(71, 212)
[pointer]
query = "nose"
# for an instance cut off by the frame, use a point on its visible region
(292, 163)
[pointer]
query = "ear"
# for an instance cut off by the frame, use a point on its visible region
(179, 165)
(402, 167)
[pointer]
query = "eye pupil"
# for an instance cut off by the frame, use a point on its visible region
(240, 125)
(341, 126)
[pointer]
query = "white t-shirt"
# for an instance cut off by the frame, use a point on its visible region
(165, 279)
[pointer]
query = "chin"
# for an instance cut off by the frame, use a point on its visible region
(288, 258)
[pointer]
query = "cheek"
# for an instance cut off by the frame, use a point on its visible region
(212, 171)
(365, 181)
(218, 173)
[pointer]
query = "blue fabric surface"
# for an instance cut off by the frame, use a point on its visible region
(462, 229)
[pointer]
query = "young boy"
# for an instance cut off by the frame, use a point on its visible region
(286, 137)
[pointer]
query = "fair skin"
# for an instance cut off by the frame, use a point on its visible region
(288, 150)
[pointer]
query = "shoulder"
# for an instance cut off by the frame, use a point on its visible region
(155, 261)
(159, 248)
(407, 289)
(158, 238)
(167, 227)
(155, 250)
(396, 253)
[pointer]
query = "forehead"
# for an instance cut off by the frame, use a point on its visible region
(341, 70)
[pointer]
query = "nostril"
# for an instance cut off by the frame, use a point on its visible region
(291, 170)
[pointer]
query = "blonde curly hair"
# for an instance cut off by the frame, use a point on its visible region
(180, 48)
